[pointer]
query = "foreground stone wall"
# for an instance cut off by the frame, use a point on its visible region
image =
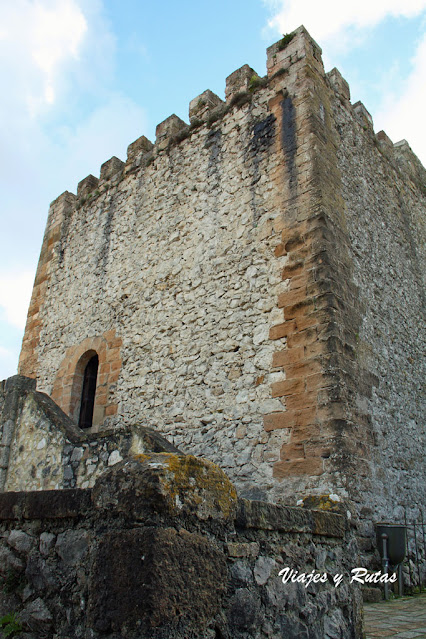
(162, 548)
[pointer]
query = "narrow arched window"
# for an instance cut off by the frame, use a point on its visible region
(88, 393)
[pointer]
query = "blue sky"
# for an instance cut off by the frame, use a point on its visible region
(81, 79)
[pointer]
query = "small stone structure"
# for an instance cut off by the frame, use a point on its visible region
(53, 452)
(161, 548)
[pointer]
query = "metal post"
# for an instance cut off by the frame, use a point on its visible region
(408, 556)
(385, 562)
(400, 586)
(417, 555)
(423, 531)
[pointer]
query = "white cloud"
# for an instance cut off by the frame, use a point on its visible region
(336, 21)
(401, 114)
(15, 293)
(340, 27)
(64, 119)
(39, 38)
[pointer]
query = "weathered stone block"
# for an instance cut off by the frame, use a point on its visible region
(87, 186)
(110, 168)
(362, 115)
(72, 546)
(239, 81)
(156, 579)
(339, 83)
(19, 540)
(176, 485)
(291, 49)
(141, 145)
(385, 143)
(202, 105)
(170, 127)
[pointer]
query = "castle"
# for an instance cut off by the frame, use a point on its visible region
(250, 287)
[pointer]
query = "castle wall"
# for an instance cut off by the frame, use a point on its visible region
(382, 185)
(177, 257)
(233, 279)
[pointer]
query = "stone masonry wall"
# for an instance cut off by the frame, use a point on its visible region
(161, 548)
(241, 268)
(173, 251)
(42, 449)
(385, 203)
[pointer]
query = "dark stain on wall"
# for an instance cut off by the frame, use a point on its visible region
(261, 140)
(288, 140)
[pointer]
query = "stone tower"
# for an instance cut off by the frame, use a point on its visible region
(249, 286)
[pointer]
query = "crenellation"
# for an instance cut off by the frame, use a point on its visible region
(291, 50)
(166, 130)
(363, 116)
(110, 168)
(385, 143)
(60, 208)
(339, 84)
(87, 186)
(201, 106)
(239, 82)
(141, 145)
(409, 164)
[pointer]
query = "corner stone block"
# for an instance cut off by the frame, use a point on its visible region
(145, 581)
(86, 186)
(167, 129)
(362, 115)
(293, 47)
(200, 107)
(111, 167)
(141, 145)
(176, 485)
(20, 383)
(59, 208)
(402, 146)
(65, 199)
(384, 141)
(339, 84)
(238, 81)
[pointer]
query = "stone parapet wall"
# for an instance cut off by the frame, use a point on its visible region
(42, 449)
(75, 563)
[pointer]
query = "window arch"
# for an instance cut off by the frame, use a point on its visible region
(68, 385)
(88, 392)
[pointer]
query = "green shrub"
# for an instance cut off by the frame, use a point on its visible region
(10, 625)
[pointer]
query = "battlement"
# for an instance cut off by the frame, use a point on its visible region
(283, 60)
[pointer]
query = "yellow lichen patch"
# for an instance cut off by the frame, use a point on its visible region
(188, 482)
(142, 457)
(322, 502)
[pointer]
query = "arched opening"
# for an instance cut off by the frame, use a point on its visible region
(88, 393)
